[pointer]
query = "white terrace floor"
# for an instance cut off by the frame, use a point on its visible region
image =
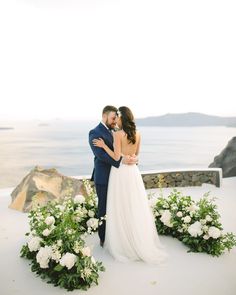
(185, 273)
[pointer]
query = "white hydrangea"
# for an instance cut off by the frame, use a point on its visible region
(34, 244)
(86, 251)
(195, 229)
(50, 220)
(43, 256)
(186, 219)
(166, 217)
(214, 232)
(68, 260)
(93, 223)
(79, 199)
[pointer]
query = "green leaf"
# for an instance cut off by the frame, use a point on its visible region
(58, 267)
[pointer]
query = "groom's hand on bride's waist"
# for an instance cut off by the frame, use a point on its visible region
(129, 160)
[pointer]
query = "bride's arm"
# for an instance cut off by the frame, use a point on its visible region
(116, 154)
(138, 138)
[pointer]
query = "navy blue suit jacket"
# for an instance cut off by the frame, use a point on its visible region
(102, 161)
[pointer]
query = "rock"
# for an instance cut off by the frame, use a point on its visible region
(43, 185)
(227, 159)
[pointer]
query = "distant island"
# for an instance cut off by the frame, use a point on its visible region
(187, 119)
(6, 128)
(43, 124)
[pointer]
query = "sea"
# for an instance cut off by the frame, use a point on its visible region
(63, 144)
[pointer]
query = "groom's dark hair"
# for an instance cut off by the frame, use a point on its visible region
(108, 109)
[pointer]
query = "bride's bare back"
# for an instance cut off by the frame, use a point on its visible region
(128, 148)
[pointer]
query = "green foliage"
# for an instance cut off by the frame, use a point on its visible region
(196, 224)
(56, 245)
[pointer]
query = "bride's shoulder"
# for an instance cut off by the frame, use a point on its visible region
(118, 133)
(138, 133)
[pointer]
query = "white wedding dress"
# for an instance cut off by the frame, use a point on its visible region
(130, 228)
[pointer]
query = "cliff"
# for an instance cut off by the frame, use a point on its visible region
(226, 159)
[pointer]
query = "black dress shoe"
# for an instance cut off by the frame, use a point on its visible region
(101, 243)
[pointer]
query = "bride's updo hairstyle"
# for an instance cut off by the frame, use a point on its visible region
(128, 124)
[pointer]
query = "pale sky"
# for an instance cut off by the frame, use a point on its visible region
(67, 58)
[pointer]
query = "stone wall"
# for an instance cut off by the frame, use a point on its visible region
(180, 178)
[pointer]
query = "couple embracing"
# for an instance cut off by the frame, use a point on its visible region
(130, 227)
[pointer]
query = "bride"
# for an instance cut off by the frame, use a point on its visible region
(130, 227)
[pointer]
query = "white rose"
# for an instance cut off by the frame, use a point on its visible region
(214, 232)
(86, 251)
(43, 256)
(34, 244)
(166, 217)
(186, 219)
(91, 213)
(93, 223)
(68, 260)
(79, 199)
(195, 229)
(179, 214)
(50, 220)
(46, 232)
(206, 237)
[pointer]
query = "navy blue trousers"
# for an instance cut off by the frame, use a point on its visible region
(101, 191)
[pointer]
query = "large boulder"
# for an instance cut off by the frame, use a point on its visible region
(227, 159)
(43, 185)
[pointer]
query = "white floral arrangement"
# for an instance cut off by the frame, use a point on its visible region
(196, 224)
(56, 241)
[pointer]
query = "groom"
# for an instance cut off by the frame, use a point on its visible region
(103, 162)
